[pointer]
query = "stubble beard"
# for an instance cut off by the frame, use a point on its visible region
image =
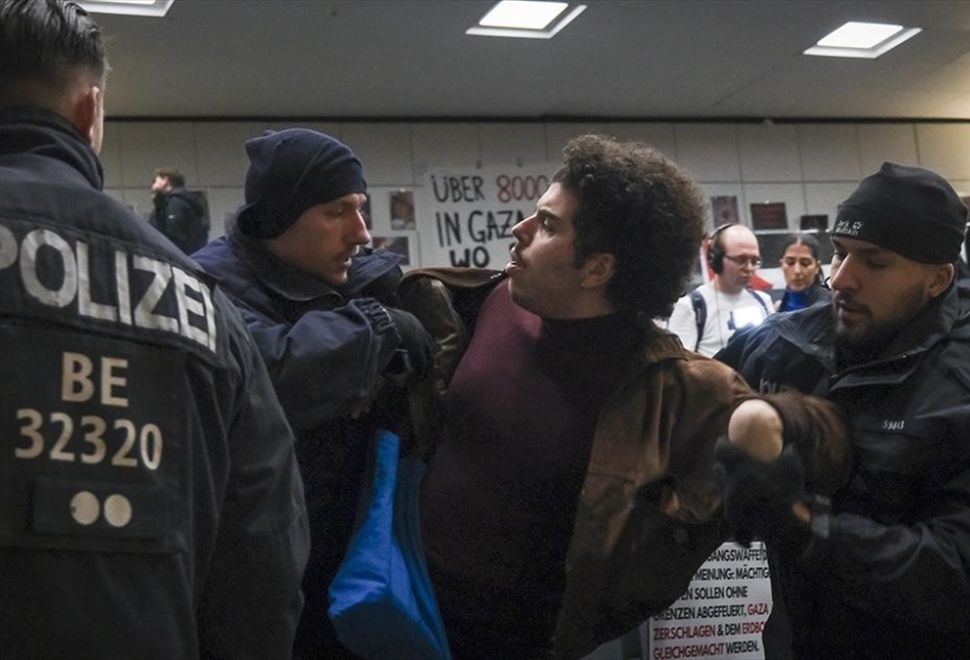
(879, 333)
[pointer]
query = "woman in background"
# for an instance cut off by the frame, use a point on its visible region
(803, 274)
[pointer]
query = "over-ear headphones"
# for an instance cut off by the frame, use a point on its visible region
(715, 251)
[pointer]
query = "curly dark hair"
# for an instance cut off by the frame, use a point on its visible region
(639, 206)
(46, 43)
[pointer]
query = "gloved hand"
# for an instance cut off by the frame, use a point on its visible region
(758, 496)
(415, 352)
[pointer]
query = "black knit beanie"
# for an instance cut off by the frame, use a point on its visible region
(290, 171)
(907, 210)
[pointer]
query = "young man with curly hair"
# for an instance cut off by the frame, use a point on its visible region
(569, 496)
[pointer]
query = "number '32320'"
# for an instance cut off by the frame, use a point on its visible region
(124, 444)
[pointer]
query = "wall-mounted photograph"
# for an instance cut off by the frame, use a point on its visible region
(724, 209)
(368, 220)
(816, 222)
(402, 210)
(769, 215)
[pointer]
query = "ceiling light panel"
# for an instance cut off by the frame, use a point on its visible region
(860, 35)
(526, 19)
(154, 8)
(523, 14)
(864, 40)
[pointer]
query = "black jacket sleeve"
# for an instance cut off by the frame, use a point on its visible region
(251, 600)
(915, 572)
(327, 363)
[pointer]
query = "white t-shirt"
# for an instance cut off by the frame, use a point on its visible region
(726, 314)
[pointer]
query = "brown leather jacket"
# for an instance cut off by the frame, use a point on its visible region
(649, 512)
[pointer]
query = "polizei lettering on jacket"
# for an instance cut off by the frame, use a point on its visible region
(90, 279)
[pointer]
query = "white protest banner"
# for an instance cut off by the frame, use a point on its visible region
(466, 216)
(723, 612)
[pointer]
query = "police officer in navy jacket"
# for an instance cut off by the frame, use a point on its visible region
(150, 504)
(324, 313)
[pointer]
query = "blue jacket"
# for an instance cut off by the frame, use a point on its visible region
(147, 469)
(791, 301)
(325, 350)
(886, 575)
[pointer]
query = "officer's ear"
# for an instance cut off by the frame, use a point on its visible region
(940, 280)
(87, 114)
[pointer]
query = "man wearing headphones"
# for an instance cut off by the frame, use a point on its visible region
(706, 318)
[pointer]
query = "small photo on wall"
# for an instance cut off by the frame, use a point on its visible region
(819, 222)
(770, 215)
(396, 244)
(772, 245)
(402, 210)
(724, 208)
(366, 213)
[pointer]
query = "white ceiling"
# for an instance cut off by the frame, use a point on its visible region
(619, 59)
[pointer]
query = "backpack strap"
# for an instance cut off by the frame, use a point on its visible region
(760, 300)
(700, 313)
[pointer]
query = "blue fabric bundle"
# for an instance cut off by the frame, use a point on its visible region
(381, 601)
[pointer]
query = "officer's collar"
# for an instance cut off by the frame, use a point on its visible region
(293, 284)
(928, 327)
(47, 134)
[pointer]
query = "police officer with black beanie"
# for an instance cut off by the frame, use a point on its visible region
(322, 309)
(880, 568)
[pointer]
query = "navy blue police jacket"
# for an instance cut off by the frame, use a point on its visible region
(150, 502)
(887, 573)
(325, 349)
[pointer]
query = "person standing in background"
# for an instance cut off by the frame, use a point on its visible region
(802, 269)
(150, 503)
(180, 214)
(706, 318)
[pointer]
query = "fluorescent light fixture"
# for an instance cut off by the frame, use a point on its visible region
(860, 35)
(155, 8)
(529, 19)
(523, 14)
(866, 40)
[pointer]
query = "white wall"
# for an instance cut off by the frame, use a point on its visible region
(810, 167)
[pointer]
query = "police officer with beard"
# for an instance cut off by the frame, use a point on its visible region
(881, 569)
(150, 504)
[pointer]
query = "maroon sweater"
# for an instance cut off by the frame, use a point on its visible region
(499, 499)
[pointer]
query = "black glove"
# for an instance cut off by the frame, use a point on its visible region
(414, 355)
(389, 410)
(758, 496)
